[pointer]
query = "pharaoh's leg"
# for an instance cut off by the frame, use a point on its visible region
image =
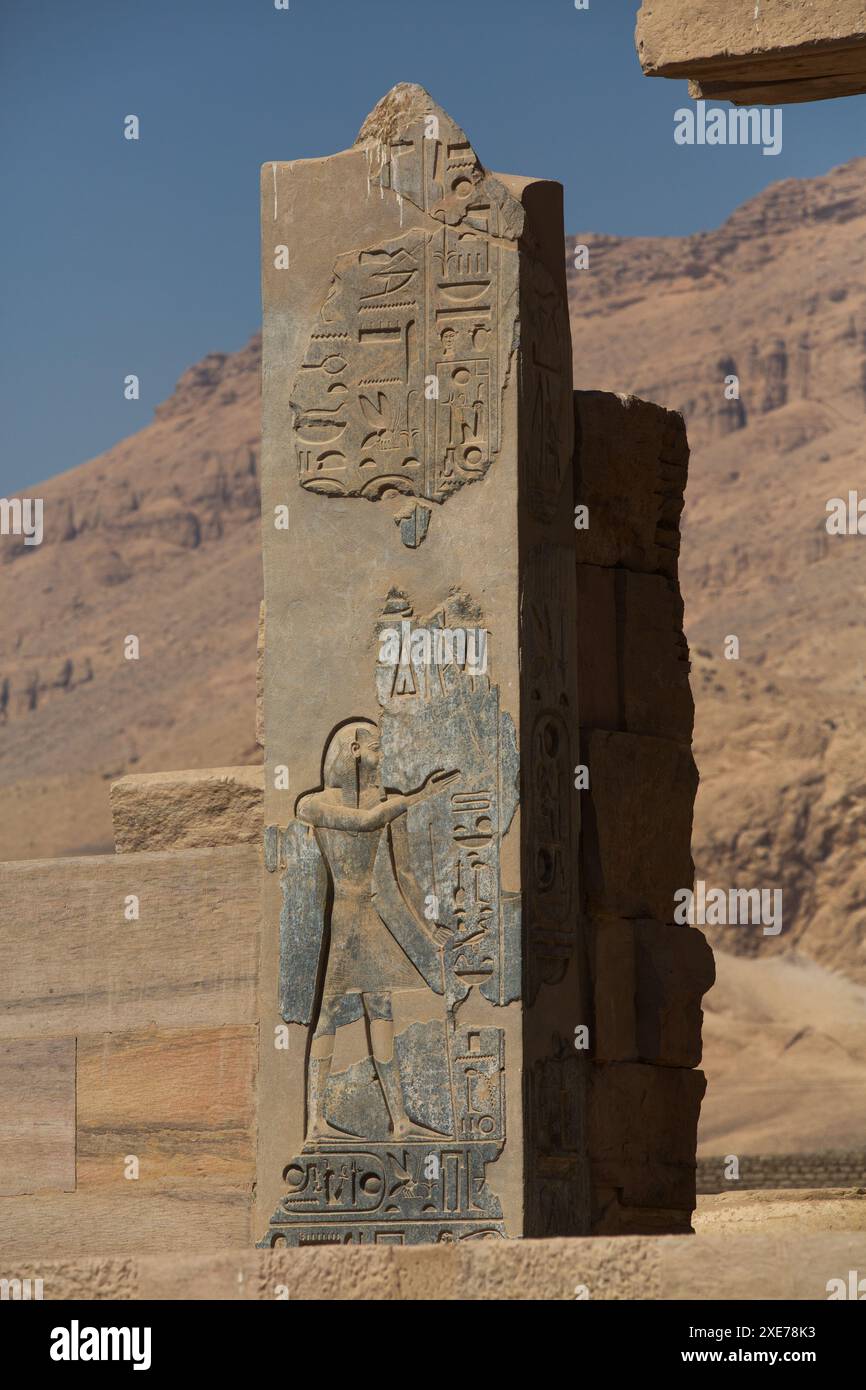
(380, 1019)
(318, 1071)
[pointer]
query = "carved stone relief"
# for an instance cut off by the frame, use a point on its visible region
(393, 914)
(400, 390)
(548, 637)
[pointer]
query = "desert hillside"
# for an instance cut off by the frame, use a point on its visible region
(158, 538)
(777, 296)
(784, 1057)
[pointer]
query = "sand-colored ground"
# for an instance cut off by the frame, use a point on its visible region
(806, 1212)
(785, 1058)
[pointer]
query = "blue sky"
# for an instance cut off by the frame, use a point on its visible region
(123, 257)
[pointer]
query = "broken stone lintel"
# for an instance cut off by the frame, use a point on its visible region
(771, 53)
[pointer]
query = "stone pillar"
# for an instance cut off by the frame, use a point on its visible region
(422, 967)
(636, 717)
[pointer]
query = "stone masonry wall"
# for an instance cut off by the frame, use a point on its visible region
(832, 1168)
(636, 715)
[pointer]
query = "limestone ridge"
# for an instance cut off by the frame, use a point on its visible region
(785, 340)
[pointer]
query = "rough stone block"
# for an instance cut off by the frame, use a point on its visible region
(633, 666)
(784, 1264)
(181, 1102)
(37, 1116)
(648, 981)
(198, 809)
(599, 654)
(74, 1225)
(648, 1164)
(73, 961)
(631, 462)
(636, 824)
(657, 697)
(777, 51)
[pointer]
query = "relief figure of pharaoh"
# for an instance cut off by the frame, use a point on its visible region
(380, 942)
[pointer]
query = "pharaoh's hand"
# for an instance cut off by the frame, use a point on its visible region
(436, 782)
(441, 935)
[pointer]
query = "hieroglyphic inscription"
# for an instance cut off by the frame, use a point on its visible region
(430, 709)
(400, 389)
(388, 1195)
(548, 603)
(558, 1170)
(545, 450)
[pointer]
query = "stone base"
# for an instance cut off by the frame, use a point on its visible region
(780, 1266)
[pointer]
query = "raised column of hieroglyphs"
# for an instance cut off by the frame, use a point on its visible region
(422, 974)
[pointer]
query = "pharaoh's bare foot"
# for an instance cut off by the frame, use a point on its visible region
(407, 1129)
(321, 1130)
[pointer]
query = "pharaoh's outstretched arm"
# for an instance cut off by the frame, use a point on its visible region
(318, 810)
